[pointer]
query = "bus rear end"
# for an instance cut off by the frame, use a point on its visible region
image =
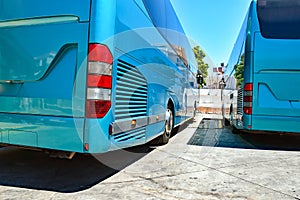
(271, 95)
(43, 47)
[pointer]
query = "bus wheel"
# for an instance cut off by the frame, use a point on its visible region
(226, 122)
(169, 124)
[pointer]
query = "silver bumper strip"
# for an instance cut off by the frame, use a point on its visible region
(128, 125)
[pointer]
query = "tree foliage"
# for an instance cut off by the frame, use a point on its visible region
(200, 55)
(239, 71)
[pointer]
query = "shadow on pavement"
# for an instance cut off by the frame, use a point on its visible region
(212, 133)
(36, 170)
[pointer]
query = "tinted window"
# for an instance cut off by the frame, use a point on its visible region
(163, 15)
(165, 19)
(279, 18)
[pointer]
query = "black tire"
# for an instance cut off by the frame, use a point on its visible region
(169, 125)
(226, 122)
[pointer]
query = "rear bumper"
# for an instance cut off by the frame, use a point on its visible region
(57, 133)
(278, 124)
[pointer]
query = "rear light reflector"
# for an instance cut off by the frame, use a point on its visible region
(97, 108)
(99, 81)
(86, 147)
(248, 98)
(248, 110)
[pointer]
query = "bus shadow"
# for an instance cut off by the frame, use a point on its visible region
(211, 132)
(36, 170)
(267, 141)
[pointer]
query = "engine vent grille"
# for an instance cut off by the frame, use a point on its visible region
(133, 135)
(240, 102)
(131, 92)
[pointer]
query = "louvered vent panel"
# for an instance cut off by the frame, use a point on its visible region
(240, 102)
(131, 95)
(133, 135)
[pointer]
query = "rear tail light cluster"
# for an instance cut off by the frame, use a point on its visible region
(248, 93)
(99, 81)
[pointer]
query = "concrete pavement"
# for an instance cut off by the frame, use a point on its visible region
(196, 164)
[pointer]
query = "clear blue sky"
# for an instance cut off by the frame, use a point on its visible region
(213, 24)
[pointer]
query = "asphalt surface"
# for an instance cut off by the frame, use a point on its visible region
(204, 160)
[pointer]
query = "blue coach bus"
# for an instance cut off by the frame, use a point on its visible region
(92, 76)
(263, 73)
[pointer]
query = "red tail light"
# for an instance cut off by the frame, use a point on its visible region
(248, 87)
(99, 81)
(248, 93)
(97, 108)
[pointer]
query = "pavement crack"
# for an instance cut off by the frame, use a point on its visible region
(256, 162)
(228, 174)
(164, 188)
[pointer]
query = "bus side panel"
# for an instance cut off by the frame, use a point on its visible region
(191, 95)
(248, 78)
(145, 76)
(252, 27)
(146, 55)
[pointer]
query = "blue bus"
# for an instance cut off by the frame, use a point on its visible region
(91, 76)
(263, 73)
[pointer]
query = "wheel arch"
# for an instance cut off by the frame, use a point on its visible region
(171, 105)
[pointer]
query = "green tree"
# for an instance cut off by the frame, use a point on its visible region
(239, 71)
(202, 66)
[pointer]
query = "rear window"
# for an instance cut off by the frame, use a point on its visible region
(279, 19)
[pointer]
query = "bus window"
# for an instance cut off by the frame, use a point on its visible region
(140, 4)
(234, 73)
(279, 19)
